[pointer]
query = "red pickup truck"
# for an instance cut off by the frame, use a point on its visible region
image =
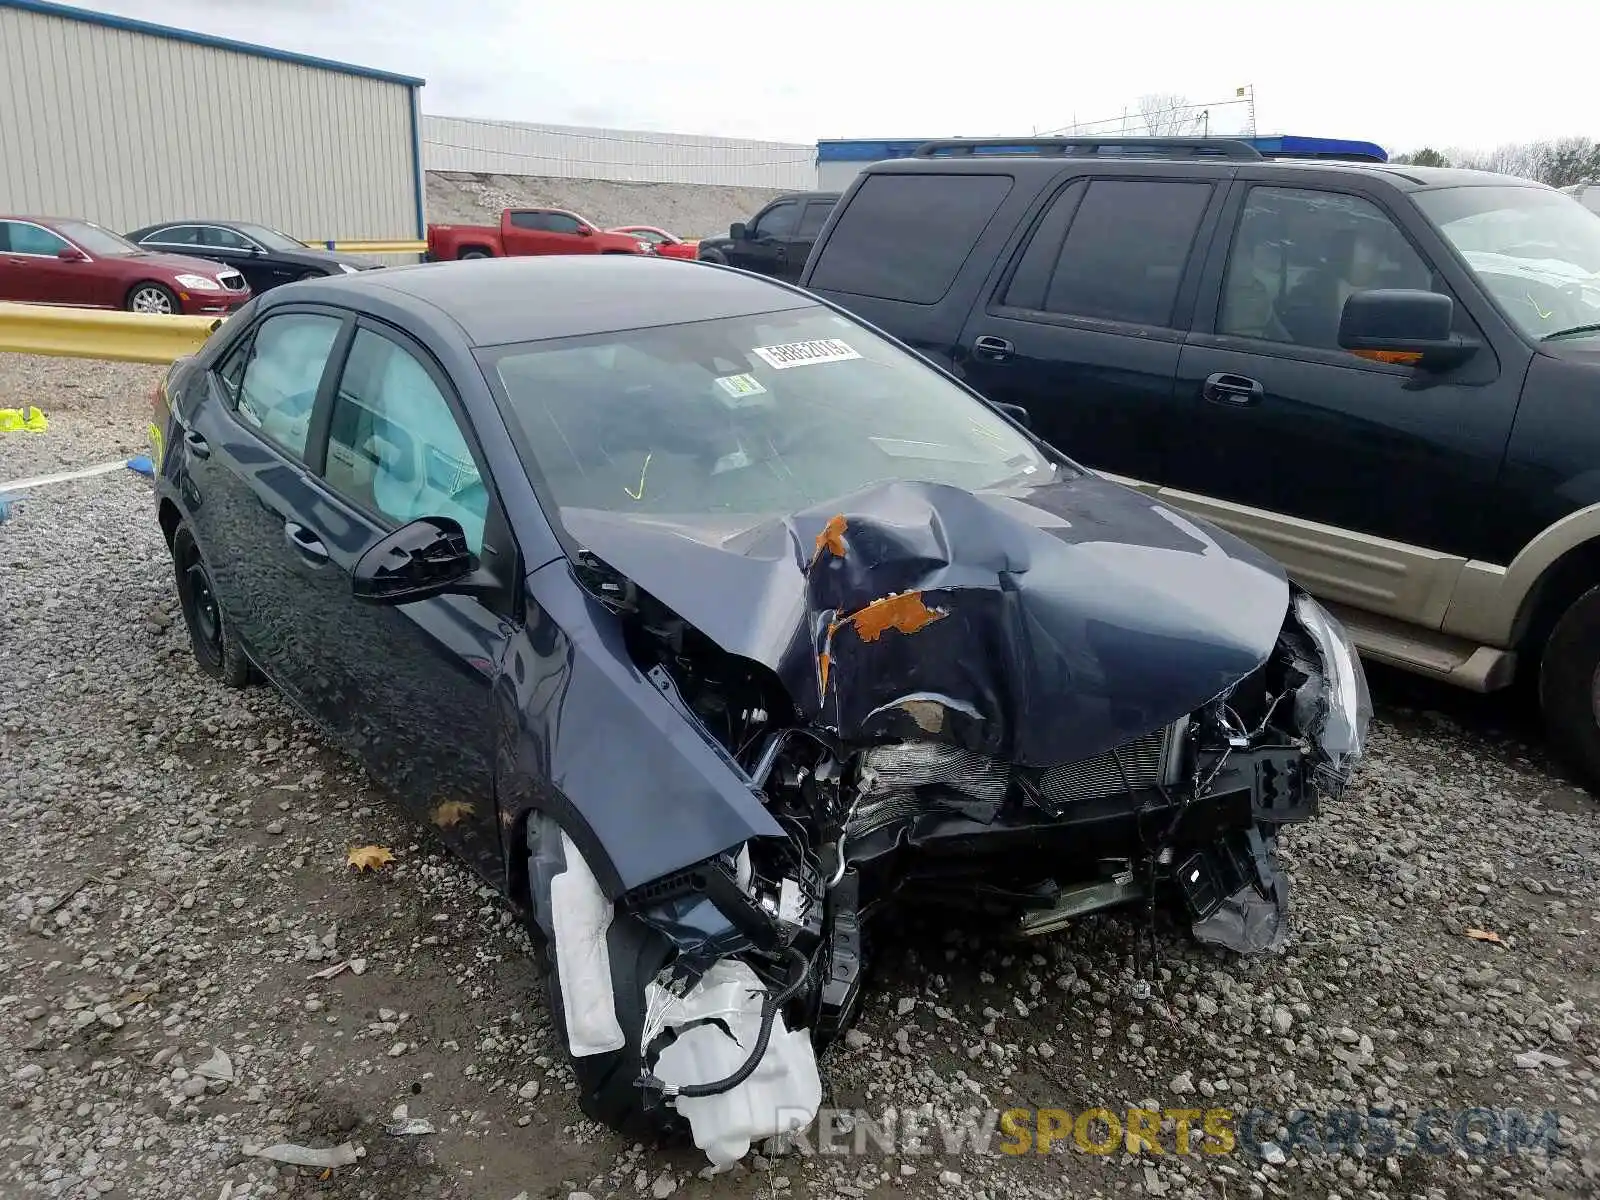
(524, 231)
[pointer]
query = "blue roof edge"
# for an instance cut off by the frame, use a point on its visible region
(131, 25)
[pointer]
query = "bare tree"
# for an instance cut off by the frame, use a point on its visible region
(1168, 114)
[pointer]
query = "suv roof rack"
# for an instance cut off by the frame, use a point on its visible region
(1084, 147)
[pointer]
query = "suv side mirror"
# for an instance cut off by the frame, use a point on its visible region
(427, 557)
(71, 254)
(1403, 325)
(738, 231)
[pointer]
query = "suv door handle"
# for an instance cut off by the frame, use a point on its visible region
(305, 543)
(996, 349)
(197, 444)
(1223, 388)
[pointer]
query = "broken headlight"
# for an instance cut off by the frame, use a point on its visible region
(1332, 706)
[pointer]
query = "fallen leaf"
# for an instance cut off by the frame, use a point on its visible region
(1485, 935)
(368, 858)
(451, 813)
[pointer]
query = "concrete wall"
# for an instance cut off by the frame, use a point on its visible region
(126, 124)
(514, 148)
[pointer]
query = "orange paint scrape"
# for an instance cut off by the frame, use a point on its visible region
(905, 612)
(831, 539)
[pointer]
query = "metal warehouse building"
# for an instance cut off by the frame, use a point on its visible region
(128, 123)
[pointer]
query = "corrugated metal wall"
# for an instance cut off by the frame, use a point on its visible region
(126, 128)
(574, 152)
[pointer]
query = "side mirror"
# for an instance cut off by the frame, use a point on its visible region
(71, 254)
(1403, 325)
(427, 557)
(737, 231)
(585, 231)
(1016, 412)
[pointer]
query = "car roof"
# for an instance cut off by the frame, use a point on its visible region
(1400, 175)
(809, 196)
(500, 300)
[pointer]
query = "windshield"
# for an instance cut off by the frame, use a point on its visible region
(758, 416)
(270, 239)
(1536, 251)
(100, 242)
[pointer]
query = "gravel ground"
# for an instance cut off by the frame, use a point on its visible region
(173, 880)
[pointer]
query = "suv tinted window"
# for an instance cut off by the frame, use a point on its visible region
(1123, 254)
(1298, 254)
(777, 221)
(904, 237)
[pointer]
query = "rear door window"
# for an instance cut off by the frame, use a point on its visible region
(273, 380)
(1116, 251)
(174, 235)
(904, 237)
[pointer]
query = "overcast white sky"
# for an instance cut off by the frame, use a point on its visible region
(1400, 72)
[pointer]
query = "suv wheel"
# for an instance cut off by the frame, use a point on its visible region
(1569, 685)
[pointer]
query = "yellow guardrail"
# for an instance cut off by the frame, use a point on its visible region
(90, 333)
(371, 247)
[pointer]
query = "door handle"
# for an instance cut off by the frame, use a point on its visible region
(306, 543)
(996, 349)
(198, 446)
(1223, 388)
(782, 253)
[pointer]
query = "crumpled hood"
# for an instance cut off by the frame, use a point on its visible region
(1039, 625)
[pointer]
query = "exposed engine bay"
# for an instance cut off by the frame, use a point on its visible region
(893, 786)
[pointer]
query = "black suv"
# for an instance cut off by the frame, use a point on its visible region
(778, 239)
(1387, 376)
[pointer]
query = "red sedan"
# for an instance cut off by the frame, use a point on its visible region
(46, 260)
(668, 245)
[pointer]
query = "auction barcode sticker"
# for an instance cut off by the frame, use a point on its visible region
(805, 354)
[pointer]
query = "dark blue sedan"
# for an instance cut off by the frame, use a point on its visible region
(706, 621)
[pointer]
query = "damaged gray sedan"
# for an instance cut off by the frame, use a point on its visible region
(715, 624)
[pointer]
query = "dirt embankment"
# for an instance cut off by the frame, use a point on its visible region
(688, 210)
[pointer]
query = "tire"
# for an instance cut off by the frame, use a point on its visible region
(1569, 686)
(151, 297)
(714, 256)
(466, 254)
(216, 651)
